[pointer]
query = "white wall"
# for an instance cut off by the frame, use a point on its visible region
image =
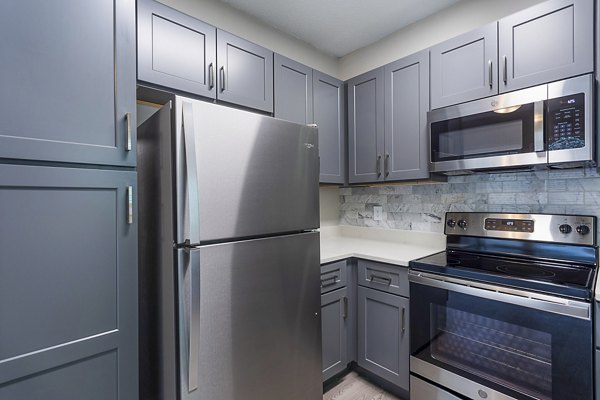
(329, 205)
(460, 18)
(228, 18)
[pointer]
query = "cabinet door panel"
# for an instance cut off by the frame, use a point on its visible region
(293, 91)
(68, 279)
(366, 127)
(406, 106)
(334, 313)
(547, 42)
(329, 115)
(465, 68)
(176, 50)
(245, 72)
(383, 335)
(68, 80)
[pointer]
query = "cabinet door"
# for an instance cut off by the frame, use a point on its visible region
(68, 284)
(176, 50)
(550, 41)
(329, 111)
(365, 127)
(406, 106)
(293, 91)
(245, 72)
(67, 74)
(383, 335)
(334, 313)
(465, 68)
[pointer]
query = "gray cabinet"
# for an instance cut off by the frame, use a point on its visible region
(329, 115)
(245, 72)
(176, 50)
(366, 127)
(334, 331)
(547, 42)
(293, 91)
(406, 106)
(68, 287)
(465, 68)
(68, 81)
(383, 346)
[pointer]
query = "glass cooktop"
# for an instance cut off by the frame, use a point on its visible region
(564, 279)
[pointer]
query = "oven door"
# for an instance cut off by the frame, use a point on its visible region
(483, 341)
(500, 131)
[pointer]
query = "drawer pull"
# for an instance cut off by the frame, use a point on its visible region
(373, 278)
(329, 281)
(403, 320)
(345, 314)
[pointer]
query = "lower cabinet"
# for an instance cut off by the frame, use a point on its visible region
(334, 317)
(383, 335)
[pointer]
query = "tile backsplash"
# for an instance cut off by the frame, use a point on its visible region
(422, 207)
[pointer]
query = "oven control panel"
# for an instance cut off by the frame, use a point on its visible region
(564, 122)
(569, 229)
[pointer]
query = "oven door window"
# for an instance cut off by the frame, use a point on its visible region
(484, 135)
(523, 352)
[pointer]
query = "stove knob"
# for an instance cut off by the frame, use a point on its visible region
(583, 229)
(565, 228)
(462, 224)
(451, 223)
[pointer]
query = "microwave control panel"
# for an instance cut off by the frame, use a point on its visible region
(564, 122)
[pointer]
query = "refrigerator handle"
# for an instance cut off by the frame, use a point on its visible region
(191, 172)
(194, 325)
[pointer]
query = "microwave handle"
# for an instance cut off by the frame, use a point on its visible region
(538, 126)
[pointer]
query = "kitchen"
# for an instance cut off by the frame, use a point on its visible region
(64, 172)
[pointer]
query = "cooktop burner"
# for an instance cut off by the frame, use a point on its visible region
(546, 276)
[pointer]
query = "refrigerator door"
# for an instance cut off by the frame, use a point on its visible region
(241, 174)
(250, 320)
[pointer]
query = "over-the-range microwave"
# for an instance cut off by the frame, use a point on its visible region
(547, 125)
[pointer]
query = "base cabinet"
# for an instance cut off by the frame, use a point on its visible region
(383, 336)
(334, 331)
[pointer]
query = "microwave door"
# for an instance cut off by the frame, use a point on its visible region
(569, 121)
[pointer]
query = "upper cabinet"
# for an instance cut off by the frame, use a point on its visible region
(298, 91)
(465, 67)
(550, 41)
(547, 42)
(387, 121)
(189, 65)
(68, 81)
(293, 91)
(185, 54)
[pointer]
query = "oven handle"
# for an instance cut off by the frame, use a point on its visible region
(557, 305)
(538, 126)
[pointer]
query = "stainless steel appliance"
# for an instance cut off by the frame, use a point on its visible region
(546, 125)
(229, 259)
(505, 311)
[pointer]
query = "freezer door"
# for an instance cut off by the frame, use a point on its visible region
(250, 326)
(241, 174)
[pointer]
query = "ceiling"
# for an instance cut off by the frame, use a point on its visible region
(338, 27)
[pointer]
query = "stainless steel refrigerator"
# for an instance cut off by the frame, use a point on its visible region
(229, 256)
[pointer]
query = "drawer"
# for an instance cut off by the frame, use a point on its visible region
(386, 277)
(333, 276)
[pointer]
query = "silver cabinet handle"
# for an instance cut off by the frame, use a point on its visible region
(491, 73)
(128, 133)
(345, 308)
(222, 78)
(329, 281)
(386, 166)
(378, 166)
(403, 319)
(211, 77)
(191, 171)
(194, 318)
(373, 278)
(129, 205)
(505, 73)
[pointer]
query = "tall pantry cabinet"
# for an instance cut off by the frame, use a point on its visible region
(68, 231)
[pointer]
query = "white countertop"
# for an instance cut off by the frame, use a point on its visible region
(382, 245)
